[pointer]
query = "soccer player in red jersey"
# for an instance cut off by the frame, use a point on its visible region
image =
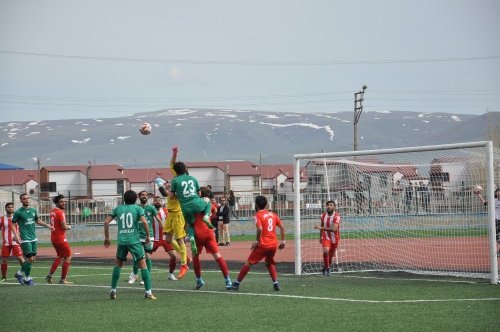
(59, 241)
(329, 231)
(205, 238)
(266, 244)
(10, 240)
(159, 237)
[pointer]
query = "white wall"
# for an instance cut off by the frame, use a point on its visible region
(213, 176)
(104, 188)
(71, 181)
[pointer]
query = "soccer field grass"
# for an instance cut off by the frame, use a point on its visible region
(344, 301)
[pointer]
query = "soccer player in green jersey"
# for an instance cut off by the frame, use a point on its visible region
(127, 218)
(150, 213)
(26, 217)
(186, 188)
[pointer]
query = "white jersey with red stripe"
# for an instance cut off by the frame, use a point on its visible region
(7, 227)
(157, 228)
(328, 221)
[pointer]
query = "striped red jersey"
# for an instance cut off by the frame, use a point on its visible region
(157, 228)
(7, 227)
(328, 222)
(58, 235)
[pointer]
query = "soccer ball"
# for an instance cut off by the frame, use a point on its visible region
(477, 189)
(145, 128)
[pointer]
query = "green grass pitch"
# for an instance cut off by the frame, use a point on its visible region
(343, 301)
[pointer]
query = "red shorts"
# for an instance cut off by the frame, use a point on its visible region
(162, 243)
(260, 253)
(62, 249)
(207, 241)
(329, 244)
(15, 249)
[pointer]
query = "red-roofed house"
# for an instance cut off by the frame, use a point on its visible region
(19, 181)
(277, 180)
(143, 178)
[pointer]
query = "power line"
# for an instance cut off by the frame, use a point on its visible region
(257, 63)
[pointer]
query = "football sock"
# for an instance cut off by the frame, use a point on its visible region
(135, 267)
(65, 269)
(172, 263)
(149, 264)
(326, 261)
(27, 269)
(4, 270)
(115, 277)
(272, 272)
(146, 276)
(243, 272)
(55, 265)
(223, 266)
(190, 231)
(197, 266)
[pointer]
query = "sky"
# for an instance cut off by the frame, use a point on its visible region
(98, 59)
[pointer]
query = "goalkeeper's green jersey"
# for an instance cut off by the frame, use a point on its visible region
(149, 213)
(25, 218)
(128, 221)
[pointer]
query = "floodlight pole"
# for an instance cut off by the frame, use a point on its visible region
(358, 108)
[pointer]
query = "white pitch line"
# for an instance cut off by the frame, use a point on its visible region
(297, 297)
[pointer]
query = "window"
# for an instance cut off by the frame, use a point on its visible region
(48, 187)
(315, 179)
(119, 187)
(440, 177)
(256, 183)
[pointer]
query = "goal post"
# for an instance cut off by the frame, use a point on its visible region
(405, 209)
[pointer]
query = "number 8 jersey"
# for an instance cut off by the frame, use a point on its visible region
(267, 221)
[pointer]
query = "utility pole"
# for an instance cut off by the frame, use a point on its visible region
(39, 178)
(358, 108)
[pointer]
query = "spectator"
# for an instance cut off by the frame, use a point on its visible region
(231, 200)
(223, 214)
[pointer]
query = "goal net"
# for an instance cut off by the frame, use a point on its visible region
(407, 209)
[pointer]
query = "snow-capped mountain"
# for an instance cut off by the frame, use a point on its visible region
(214, 135)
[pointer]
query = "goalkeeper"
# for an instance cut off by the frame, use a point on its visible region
(174, 228)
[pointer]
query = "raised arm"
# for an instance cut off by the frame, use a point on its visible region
(175, 151)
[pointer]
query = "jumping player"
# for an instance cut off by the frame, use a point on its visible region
(127, 218)
(186, 188)
(59, 241)
(205, 238)
(174, 227)
(266, 244)
(26, 217)
(10, 242)
(329, 231)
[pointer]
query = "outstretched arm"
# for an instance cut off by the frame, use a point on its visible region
(175, 151)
